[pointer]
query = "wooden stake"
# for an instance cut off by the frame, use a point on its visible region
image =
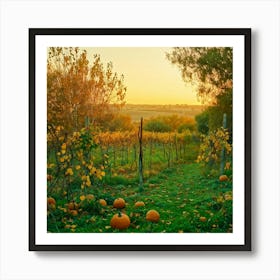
(140, 135)
(222, 165)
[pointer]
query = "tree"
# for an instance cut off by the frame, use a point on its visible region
(209, 68)
(202, 121)
(222, 106)
(157, 125)
(78, 89)
(120, 122)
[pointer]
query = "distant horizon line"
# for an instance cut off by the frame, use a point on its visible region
(166, 104)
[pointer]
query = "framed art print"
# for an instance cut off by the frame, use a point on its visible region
(140, 139)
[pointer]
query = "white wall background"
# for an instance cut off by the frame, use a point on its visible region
(16, 262)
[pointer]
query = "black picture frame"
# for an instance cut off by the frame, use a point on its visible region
(245, 33)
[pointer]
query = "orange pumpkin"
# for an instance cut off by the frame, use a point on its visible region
(51, 203)
(139, 204)
(203, 219)
(102, 202)
(74, 212)
(73, 206)
(152, 216)
(223, 178)
(119, 203)
(120, 221)
(49, 177)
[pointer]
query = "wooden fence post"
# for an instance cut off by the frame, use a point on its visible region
(222, 165)
(86, 121)
(140, 135)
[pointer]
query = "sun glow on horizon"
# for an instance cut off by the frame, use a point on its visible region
(150, 78)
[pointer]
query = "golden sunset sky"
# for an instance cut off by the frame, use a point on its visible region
(150, 78)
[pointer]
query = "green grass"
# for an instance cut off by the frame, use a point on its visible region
(181, 195)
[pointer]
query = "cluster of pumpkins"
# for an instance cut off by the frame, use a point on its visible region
(118, 221)
(73, 207)
(122, 221)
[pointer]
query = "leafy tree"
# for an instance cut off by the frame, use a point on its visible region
(169, 123)
(157, 125)
(185, 127)
(120, 122)
(222, 106)
(202, 121)
(212, 117)
(210, 68)
(78, 89)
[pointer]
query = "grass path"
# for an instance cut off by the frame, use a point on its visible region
(185, 200)
(189, 202)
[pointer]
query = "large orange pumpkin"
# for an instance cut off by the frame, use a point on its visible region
(119, 203)
(223, 178)
(152, 216)
(139, 204)
(120, 221)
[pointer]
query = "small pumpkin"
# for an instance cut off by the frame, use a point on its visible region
(90, 197)
(203, 219)
(139, 204)
(228, 196)
(73, 206)
(119, 203)
(102, 202)
(152, 216)
(74, 212)
(51, 203)
(120, 221)
(49, 177)
(223, 178)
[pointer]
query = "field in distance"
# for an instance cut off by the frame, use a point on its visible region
(136, 111)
